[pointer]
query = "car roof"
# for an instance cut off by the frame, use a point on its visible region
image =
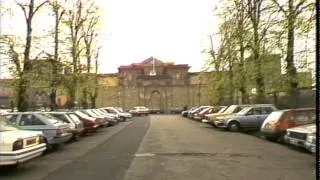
(298, 109)
(58, 112)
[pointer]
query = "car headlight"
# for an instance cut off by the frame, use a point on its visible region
(310, 138)
(288, 133)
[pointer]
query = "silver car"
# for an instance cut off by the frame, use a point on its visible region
(249, 118)
(76, 126)
(54, 130)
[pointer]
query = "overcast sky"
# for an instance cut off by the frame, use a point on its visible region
(133, 30)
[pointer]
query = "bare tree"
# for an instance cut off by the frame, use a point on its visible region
(58, 14)
(29, 9)
(89, 33)
(75, 20)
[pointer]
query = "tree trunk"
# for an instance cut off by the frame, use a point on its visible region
(22, 104)
(291, 70)
(257, 63)
(53, 95)
(242, 88)
(84, 98)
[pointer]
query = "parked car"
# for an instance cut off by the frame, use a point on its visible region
(185, 113)
(249, 118)
(310, 144)
(139, 110)
(18, 146)
(102, 120)
(197, 110)
(55, 131)
(205, 118)
(275, 126)
(76, 126)
(122, 114)
(230, 111)
(209, 110)
(89, 123)
(302, 136)
(112, 119)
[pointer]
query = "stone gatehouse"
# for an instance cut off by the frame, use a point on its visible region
(154, 84)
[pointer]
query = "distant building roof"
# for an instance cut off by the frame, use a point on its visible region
(149, 61)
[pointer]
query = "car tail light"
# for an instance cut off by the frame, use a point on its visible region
(42, 139)
(59, 132)
(17, 145)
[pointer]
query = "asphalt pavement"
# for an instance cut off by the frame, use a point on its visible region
(168, 147)
(179, 148)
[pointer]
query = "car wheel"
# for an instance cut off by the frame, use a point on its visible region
(273, 139)
(13, 166)
(76, 137)
(233, 126)
(122, 119)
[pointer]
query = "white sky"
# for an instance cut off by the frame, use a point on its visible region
(166, 29)
(170, 30)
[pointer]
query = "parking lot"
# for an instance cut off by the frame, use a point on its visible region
(168, 147)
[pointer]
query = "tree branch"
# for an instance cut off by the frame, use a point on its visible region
(38, 7)
(23, 9)
(280, 7)
(298, 11)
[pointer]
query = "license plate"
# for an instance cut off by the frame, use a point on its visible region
(31, 141)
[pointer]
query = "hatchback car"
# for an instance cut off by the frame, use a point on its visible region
(123, 115)
(90, 124)
(192, 113)
(98, 118)
(209, 110)
(76, 126)
(54, 130)
(18, 146)
(112, 119)
(230, 111)
(140, 110)
(249, 118)
(185, 113)
(275, 126)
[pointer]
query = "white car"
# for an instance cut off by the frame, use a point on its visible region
(122, 114)
(140, 110)
(18, 146)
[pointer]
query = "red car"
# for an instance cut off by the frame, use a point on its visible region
(90, 124)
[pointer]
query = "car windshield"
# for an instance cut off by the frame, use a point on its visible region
(74, 118)
(244, 111)
(91, 113)
(51, 118)
(119, 109)
(276, 115)
(230, 109)
(223, 109)
(82, 114)
(98, 111)
(204, 110)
